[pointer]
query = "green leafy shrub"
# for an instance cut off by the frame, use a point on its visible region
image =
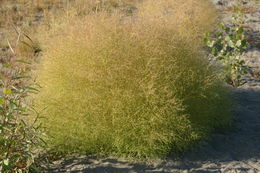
(130, 86)
(228, 45)
(18, 136)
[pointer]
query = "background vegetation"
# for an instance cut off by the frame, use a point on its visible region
(19, 137)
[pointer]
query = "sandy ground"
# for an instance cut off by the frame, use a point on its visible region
(237, 151)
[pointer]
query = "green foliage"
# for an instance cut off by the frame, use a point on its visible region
(18, 137)
(228, 45)
(133, 87)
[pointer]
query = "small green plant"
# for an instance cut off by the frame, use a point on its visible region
(227, 45)
(18, 136)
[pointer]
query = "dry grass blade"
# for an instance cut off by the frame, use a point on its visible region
(10, 47)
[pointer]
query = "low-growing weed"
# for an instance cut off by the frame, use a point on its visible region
(228, 45)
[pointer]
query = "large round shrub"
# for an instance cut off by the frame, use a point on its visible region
(136, 86)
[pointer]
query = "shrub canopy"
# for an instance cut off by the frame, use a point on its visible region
(135, 86)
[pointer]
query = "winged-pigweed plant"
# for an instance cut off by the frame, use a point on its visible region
(130, 86)
(18, 136)
(227, 45)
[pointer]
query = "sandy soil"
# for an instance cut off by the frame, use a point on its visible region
(237, 151)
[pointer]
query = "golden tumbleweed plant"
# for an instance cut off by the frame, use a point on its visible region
(133, 85)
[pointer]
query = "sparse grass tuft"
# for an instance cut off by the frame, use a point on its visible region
(134, 86)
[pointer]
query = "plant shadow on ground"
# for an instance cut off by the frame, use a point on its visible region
(240, 144)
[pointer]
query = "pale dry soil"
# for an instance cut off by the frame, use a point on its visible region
(236, 151)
